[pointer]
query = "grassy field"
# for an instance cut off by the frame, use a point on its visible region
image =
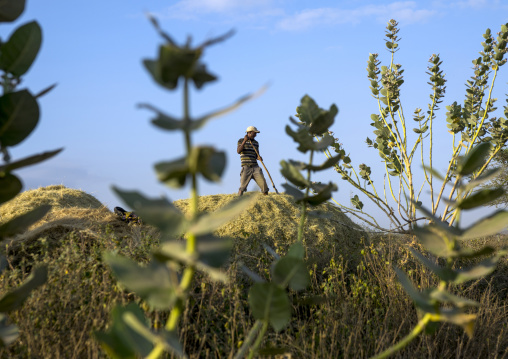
(350, 310)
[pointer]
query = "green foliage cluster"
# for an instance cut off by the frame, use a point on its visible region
(19, 115)
(470, 124)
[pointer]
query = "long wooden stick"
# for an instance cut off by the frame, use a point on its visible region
(264, 167)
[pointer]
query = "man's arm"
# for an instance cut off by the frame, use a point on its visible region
(240, 146)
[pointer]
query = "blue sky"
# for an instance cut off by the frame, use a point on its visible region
(94, 50)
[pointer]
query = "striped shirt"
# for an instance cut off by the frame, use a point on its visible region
(248, 155)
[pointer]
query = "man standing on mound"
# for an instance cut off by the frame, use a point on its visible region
(248, 148)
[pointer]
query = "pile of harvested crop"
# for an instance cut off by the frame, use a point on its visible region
(273, 220)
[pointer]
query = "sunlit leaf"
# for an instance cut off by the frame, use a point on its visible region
(20, 51)
(270, 303)
(15, 298)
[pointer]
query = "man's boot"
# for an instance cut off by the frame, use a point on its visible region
(240, 192)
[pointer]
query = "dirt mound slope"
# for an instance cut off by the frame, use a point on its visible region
(273, 220)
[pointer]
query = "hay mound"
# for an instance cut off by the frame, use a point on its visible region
(73, 212)
(274, 219)
(58, 196)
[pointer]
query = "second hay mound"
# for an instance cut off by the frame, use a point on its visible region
(273, 220)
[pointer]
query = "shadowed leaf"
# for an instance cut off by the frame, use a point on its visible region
(270, 303)
(19, 114)
(474, 159)
(8, 333)
(292, 174)
(20, 51)
(480, 198)
(420, 299)
(122, 341)
(10, 10)
(11, 166)
(10, 186)
(291, 271)
(487, 226)
(155, 283)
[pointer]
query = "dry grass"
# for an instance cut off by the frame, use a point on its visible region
(362, 311)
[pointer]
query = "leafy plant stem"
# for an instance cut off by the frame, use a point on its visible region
(248, 340)
(304, 204)
(420, 326)
(489, 104)
(259, 339)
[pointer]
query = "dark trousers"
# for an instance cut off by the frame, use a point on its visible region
(249, 173)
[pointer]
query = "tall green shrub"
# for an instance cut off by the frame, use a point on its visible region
(469, 124)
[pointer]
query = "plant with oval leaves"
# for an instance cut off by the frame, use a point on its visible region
(469, 124)
(19, 115)
(440, 305)
(164, 283)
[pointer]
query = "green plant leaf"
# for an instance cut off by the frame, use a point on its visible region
(19, 114)
(297, 250)
(8, 333)
(291, 271)
(21, 223)
(31, 160)
(207, 161)
(295, 193)
(474, 159)
(270, 303)
(479, 198)
(10, 186)
(15, 298)
(486, 176)
(122, 341)
(422, 300)
(20, 51)
(10, 10)
(213, 255)
(434, 172)
(330, 162)
(292, 174)
(444, 296)
(488, 226)
(324, 193)
(155, 283)
(466, 321)
(209, 222)
(432, 241)
(159, 213)
(173, 173)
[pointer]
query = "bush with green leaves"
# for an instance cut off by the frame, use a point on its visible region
(470, 124)
(442, 241)
(19, 115)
